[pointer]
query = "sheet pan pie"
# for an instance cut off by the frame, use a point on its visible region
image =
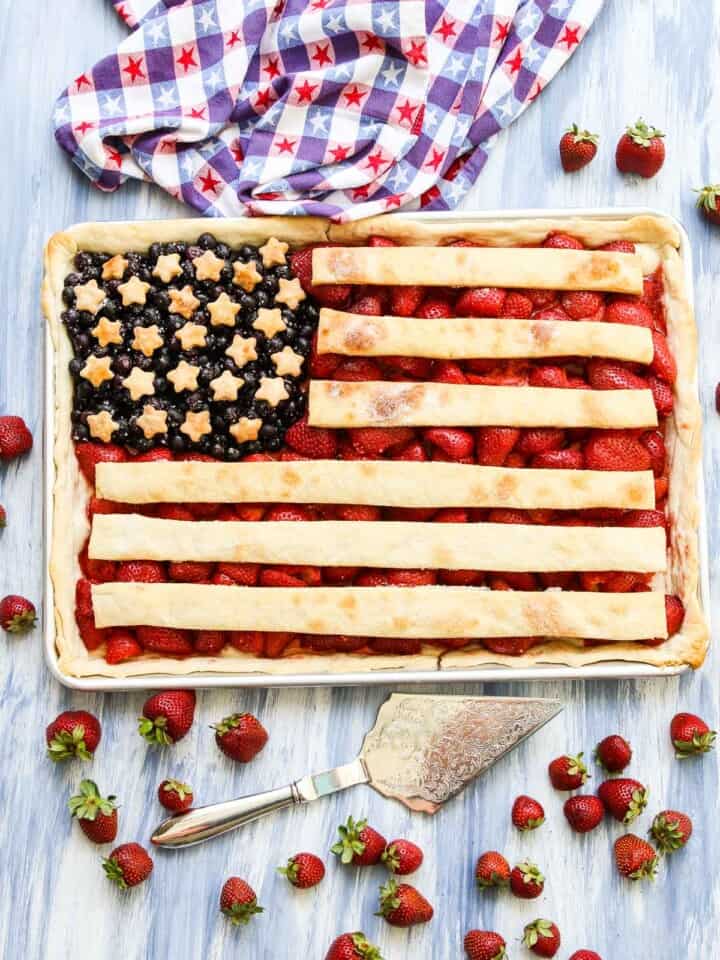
(466, 443)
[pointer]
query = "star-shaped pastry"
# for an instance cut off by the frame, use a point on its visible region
(245, 430)
(289, 292)
(246, 275)
(152, 421)
(102, 426)
(223, 311)
(183, 302)
(97, 370)
(287, 362)
(242, 350)
(147, 339)
(269, 321)
(226, 386)
(89, 296)
(196, 425)
(133, 290)
(167, 267)
(273, 252)
(139, 383)
(208, 266)
(107, 332)
(192, 335)
(272, 390)
(184, 376)
(114, 268)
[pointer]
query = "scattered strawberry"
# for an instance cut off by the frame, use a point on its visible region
(402, 857)
(15, 438)
(527, 814)
(314, 442)
(240, 736)
(17, 615)
(640, 150)
(128, 865)
(635, 858)
(484, 945)
(304, 870)
(175, 795)
(584, 813)
(238, 901)
(585, 955)
(577, 148)
(480, 302)
(708, 202)
(96, 815)
(526, 881)
(623, 798)
(690, 735)
(359, 844)
(167, 716)
(613, 753)
(568, 773)
(3, 517)
(352, 946)
(168, 641)
(542, 937)
(492, 870)
(402, 905)
(122, 645)
(671, 830)
(74, 733)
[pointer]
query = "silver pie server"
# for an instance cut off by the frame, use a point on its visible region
(422, 750)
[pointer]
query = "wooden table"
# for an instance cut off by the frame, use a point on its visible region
(653, 59)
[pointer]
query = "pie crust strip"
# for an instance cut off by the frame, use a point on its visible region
(537, 268)
(425, 612)
(377, 483)
(386, 404)
(395, 544)
(457, 338)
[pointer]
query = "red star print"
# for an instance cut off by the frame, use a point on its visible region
(432, 194)
(167, 146)
(122, 12)
(535, 92)
(286, 146)
(516, 61)
(392, 202)
(371, 42)
(234, 38)
(115, 157)
(446, 28)
(81, 81)
(354, 97)
(321, 55)
(236, 151)
(406, 111)
(186, 59)
(416, 54)
(318, 4)
(208, 182)
(570, 37)
(339, 153)
(272, 69)
(503, 29)
(360, 193)
(436, 159)
(305, 92)
(265, 98)
(82, 128)
(197, 113)
(376, 161)
(134, 69)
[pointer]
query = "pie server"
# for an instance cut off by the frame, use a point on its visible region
(422, 750)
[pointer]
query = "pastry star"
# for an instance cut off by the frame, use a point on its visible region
(245, 429)
(102, 426)
(246, 275)
(287, 362)
(226, 386)
(290, 293)
(152, 421)
(183, 302)
(107, 331)
(242, 350)
(208, 266)
(89, 296)
(133, 291)
(269, 321)
(196, 425)
(114, 268)
(147, 339)
(97, 370)
(272, 390)
(273, 253)
(192, 335)
(167, 267)
(139, 383)
(184, 377)
(223, 311)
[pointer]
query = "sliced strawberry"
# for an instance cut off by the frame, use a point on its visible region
(663, 363)
(404, 301)
(329, 295)
(644, 518)
(674, 613)
(411, 578)
(166, 640)
(190, 571)
(451, 515)
(209, 642)
(516, 580)
(662, 395)
(372, 578)
(548, 376)
(374, 441)
(460, 578)
(90, 635)
(250, 511)
(609, 375)
(332, 643)
(270, 577)
(583, 305)
(540, 440)
(290, 512)
(619, 246)
(247, 641)
(562, 579)
(570, 459)
(434, 308)
(275, 644)
(122, 645)
(517, 305)
(446, 371)
(357, 512)
(480, 302)
(309, 575)
(398, 646)
(313, 442)
(510, 646)
(141, 571)
(339, 575)
(173, 511)
(562, 241)
(506, 515)
(493, 444)
(83, 598)
(414, 452)
(357, 369)
(204, 511)
(615, 450)
(629, 311)
(454, 442)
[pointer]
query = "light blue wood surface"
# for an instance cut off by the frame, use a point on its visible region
(659, 59)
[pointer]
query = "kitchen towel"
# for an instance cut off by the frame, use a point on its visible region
(338, 108)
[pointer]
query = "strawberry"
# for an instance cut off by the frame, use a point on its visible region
(583, 813)
(434, 308)
(3, 517)
(509, 646)
(175, 795)
(168, 641)
(613, 753)
(363, 513)
(357, 369)
(540, 298)
(141, 571)
(662, 395)
(629, 311)
(708, 202)
(407, 368)
(527, 814)
(540, 440)
(492, 870)
(619, 246)
(289, 512)
(582, 304)
(411, 578)
(402, 905)
(374, 441)
(456, 443)
(526, 881)
(635, 858)
(690, 735)
(90, 454)
(73, 733)
(654, 443)
(167, 716)
(447, 371)
(304, 870)
(577, 148)
(484, 945)
(606, 375)
(247, 641)
(623, 798)
(208, 643)
(517, 305)
(493, 444)
(157, 453)
(404, 301)
(671, 830)
(279, 578)
(568, 773)
(585, 955)
(548, 375)
(238, 901)
(190, 571)
(369, 305)
(359, 844)
(17, 615)
(396, 646)
(663, 362)
(240, 736)
(352, 946)
(640, 150)
(128, 865)
(96, 815)
(644, 518)
(402, 857)
(314, 442)
(122, 645)
(562, 241)
(15, 438)
(480, 302)
(173, 511)
(542, 937)
(331, 295)
(615, 450)
(569, 459)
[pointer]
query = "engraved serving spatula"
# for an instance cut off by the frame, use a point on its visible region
(423, 750)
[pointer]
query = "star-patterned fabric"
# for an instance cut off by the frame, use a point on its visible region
(338, 108)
